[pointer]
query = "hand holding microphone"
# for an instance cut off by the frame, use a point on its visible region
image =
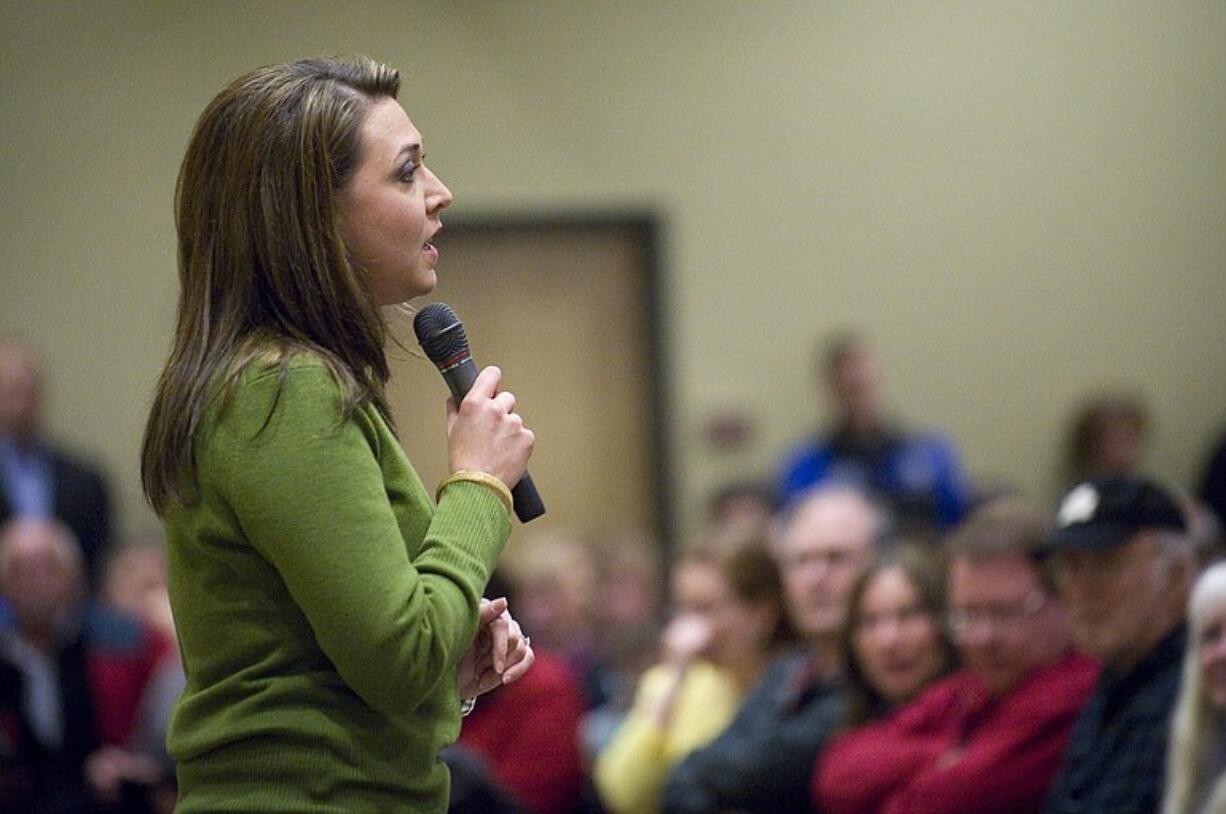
(483, 431)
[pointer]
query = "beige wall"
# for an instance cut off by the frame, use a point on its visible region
(1020, 200)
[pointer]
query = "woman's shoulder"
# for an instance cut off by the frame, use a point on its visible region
(272, 387)
(279, 371)
(272, 364)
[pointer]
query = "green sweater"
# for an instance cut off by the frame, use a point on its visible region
(322, 604)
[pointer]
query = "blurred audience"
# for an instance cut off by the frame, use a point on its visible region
(37, 478)
(763, 760)
(631, 603)
(919, 475)
(1196, 770)
(555, 575)
(1123, 566)
(809, 664)
(77, 673)
(990, 738)
(1108, 435)
(527, 733)
(134, 582)
(728, 625)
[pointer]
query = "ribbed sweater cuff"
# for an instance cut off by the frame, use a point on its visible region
(475, 523)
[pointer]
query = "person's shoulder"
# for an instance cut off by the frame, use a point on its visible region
(277, 366)
(1078, 669)
(930, 441)
(958, 684)
(550, 674)
(806, 451)
(952, 695)
(1054, 691)
(787, 667)
(71, 466)
(110, 630)
(703, 676)
(273, 380)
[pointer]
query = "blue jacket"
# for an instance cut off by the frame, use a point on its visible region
(919, 476)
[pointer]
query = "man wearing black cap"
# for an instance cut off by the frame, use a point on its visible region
(1123, 565)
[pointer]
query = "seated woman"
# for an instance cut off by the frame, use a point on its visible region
(1196, 772)
(894, 640)
(728, 625)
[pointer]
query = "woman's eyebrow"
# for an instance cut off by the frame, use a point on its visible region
(413, 148)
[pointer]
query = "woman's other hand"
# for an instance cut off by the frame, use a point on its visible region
(484, 432)
(500, 652)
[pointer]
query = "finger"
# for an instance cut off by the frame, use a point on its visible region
(518, 652)
(515, 635)
(482, 667)
(517, 672)
(499, 630)
(486, 383)
(488, 681)
(491, 609)
(505, 400)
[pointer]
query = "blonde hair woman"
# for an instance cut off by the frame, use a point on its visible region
(1196, 767)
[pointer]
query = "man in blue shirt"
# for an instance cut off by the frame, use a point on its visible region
(918, 475)
(37, 479)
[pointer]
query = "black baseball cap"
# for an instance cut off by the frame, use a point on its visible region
(1104, 512)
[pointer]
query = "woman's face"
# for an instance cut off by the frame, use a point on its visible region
(738, 630)
(390, 208)
(1213, 657)
(896, 639)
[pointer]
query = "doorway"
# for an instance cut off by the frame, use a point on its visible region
(570, 310)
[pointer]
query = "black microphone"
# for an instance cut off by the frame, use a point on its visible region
(441, 335)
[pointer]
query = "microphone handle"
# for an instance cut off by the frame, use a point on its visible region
(524, 498)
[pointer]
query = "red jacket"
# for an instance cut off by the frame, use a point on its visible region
(528, 733)
(958, 750)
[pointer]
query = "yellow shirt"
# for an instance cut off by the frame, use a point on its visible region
(630, 772)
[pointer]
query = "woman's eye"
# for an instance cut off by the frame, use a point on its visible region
(406, 173)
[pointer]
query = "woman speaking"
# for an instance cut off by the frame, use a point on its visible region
(329, 613)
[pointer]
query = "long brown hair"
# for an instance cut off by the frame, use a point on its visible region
(925, 571)
(263, 269)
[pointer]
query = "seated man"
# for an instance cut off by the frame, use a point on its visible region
(919, 476)
(762, 761)
(990, 738)
(1123, 564)
(76, 676)
(37, 477)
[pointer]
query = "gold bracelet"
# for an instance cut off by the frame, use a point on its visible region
(476, 476)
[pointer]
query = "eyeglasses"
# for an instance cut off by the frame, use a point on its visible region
(961, 620)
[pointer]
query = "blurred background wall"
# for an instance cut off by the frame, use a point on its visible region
(1022, 202)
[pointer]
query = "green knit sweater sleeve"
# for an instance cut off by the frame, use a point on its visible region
(389, 586)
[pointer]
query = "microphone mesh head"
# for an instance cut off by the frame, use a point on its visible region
(441, 334)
